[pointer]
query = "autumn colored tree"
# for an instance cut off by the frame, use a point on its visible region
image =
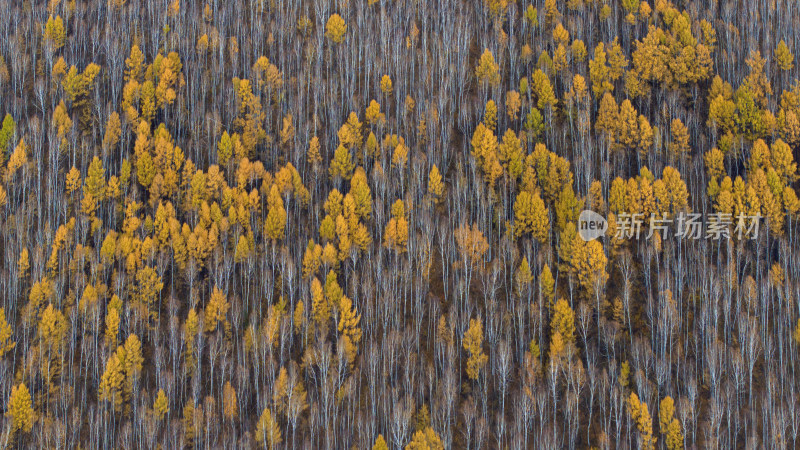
(380, 443)
(148, 287)
(490, 115)
(587, 260)
(161, 405)
(342, 165)
(487, 71)
(607, 118)
(95, 180)
(680, 138)
(111, 382)
(112, 327)
(251, 116)
(641, 417)
(749, 118)
(396, 233)
(485, 151)
(472, 243)
(543, 89)
(599, 72)
(6, 334)
(7, 132)
(77, 88)
(335, 28)
(216, 310)
(627, 134)
(784, 56)
(230, 405)
(20, 409)
(435, 184)
(267, 77)
(18, 158)
(563, 321)
(426, 439)
(54, 33)
(473, 343)
(386, 84)
(268, 433)
(669, 426)
(320, 308)
(275, 223)
(513, 104)
(511, 154)
(532, 217)
(349, 327)
(190, 329)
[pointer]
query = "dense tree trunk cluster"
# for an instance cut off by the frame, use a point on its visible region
(358, 224)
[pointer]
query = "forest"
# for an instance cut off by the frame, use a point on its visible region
(302, 224)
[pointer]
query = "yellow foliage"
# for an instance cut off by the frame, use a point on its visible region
(320, 309)
(230, 407)
(161, 405)
(386, 85)
(396, 232)
(471, 243)
(335, 28)
(111, 383)
(400, 157)
(563, 321)
(275, 223)
(349, 320)
(18, 158)
(490, 115)
(342, 165)
(373, 114)
(20, 409)
(488, 71)
(311, 258)
(54, 33)
(268, 433)
(531, 217)
(6, 333)
(435, 184)
(784, 56)
(216, 310)
(513, 104)
(641, 416)
(473, 343)
(426, 439)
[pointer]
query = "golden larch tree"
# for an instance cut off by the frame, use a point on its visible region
(342, 164)
(275, 223)
(641, 417)
(335, 28)
(531, 217)
(161, 405)
(216, 310)
(435, 184)
(20, 409)
(349, 320)
(487, 71)
(230, 405)
(473, 343)
(54, 33)
(6, 335)
(426, 439)
(396, 232)
(268, 433)
(380, 443)
(784, 56)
